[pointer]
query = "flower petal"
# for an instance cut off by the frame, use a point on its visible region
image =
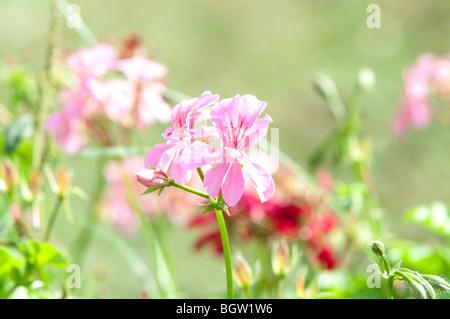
(214, 179)
(199, 154)
(234, 184)
(261, 178)
(179, 174)
(160, 156)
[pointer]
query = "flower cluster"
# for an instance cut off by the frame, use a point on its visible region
(188, 146)
(427, 79)
(124, 88)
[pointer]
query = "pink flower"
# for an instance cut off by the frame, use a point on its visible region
(69, 124)
(152, 178)
(239, 128)
(67, 128)
(139, 69)
(185, 116)
(151, 106)
(415, 109)
(95, 61)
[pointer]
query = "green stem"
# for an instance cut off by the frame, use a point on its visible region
(279, 288)
(200, 173)
(193, 191)
(226, 252)
(248, 291)
(390, 287)
(51, 222)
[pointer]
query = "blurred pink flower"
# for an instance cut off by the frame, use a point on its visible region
(139, 69)
(67, 128)
(94, 61)
(427, 77)
(135, 102)
(180, 137)
(239, 128)
(69, 125)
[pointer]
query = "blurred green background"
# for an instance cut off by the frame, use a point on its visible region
(271, 49)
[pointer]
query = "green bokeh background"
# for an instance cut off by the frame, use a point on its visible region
(271, 49)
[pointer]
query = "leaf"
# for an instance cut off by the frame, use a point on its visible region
(18, 131)
(397, 266)
(149, 190)
(208, 208)
(7, 262)
(40, 254)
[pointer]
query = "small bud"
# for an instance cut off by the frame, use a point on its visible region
(378, 248)
(281, 259)
(9, 175)
(152, 178)
(366, 79)
(35, 183)
(15, 212)
(63, 182)
(243, 272)
(300, 285)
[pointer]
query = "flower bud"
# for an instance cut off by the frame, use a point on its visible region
(366, 78)
(15, 212)
(35, 183)
(152, 178)
(300, 285)
(378, 248)
(281, 259)
(9, 175)
(243, 272)
(63, 182)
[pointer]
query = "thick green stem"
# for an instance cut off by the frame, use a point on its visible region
(390, 288)
(226, 252)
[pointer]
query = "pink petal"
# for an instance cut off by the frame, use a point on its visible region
(214, 179)
(160, 156)
(179, 174)
(256, 132)
(139, 69)
(261, 178)
(199, 154)
(234, 184)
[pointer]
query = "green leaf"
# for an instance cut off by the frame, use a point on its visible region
(397, 266)
(40, 254)
(18, 131)
(208, 208)
(8, 262)
(149, 190)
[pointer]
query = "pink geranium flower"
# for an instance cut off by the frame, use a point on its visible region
(428, 78)
(139, 69)
(239, 128)
(180, 136)
(94, 61)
